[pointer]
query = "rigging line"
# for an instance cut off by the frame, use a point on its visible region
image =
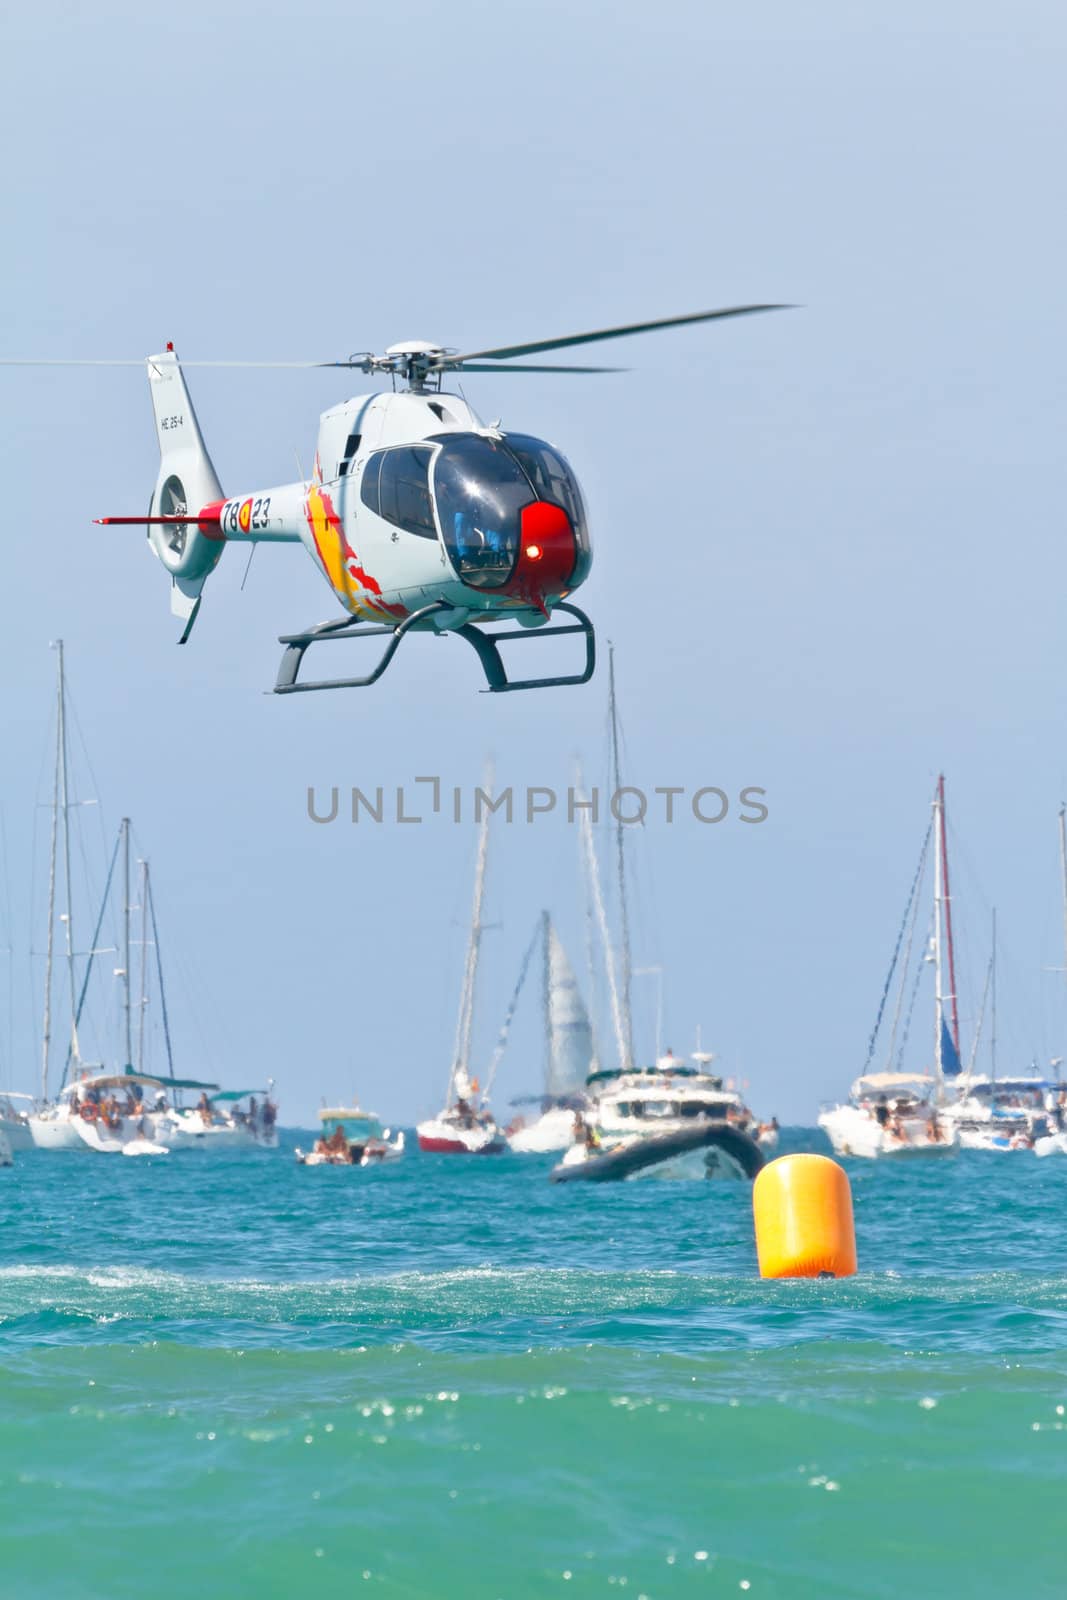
(159, 979)
(593, 880)
(502, 1040)
(912, 893)
(981, 1015)
(911, 1004)
(626, 960)
(7, 1061)
(905, 966)
(93, 950)
(83, 749)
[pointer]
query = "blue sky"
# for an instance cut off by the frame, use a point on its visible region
(827, 542)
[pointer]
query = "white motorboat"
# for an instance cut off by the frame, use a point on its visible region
(352, 1137)
(634, 1104)
(466, 1126)
(568, 1053)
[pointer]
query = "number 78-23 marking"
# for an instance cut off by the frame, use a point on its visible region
(246, 516)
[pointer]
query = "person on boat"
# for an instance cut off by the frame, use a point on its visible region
(268, 1116)
(252, 1112)
(464, 1112)
(935, 1132)
(203, 1106)
(1058, 1111)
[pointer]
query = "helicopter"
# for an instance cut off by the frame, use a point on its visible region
(420, 517)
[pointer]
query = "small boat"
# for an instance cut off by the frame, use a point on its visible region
(15, 1119)
(714, 1145)
(466, 1126)
(145, 1147)
(351, 1137)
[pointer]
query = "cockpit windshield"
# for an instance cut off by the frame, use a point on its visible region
(481, 485)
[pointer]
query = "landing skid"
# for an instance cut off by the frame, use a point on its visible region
(485, 645)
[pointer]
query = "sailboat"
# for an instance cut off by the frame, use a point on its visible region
(896, 1113)
(1006, 1113)
(51, 1125)
(569, 1055)
(127, 1110)
(466, 1126)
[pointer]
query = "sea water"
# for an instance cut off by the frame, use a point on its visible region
(229, 1375)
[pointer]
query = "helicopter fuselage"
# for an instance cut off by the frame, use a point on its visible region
(413, 501)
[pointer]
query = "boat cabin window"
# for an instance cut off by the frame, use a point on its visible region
(703, 1108)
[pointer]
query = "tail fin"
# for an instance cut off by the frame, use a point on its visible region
(187, 482)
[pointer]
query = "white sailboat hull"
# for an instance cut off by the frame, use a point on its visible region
(443, 1137)
(553, 1130)
(855, 1132)
(55, 1133)
(18, 1134)
(188, 1131)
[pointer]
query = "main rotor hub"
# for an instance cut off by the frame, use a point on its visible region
(417, 361)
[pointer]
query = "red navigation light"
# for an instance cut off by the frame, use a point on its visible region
(533, 552)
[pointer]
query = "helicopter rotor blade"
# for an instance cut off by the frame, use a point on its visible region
(505, 352)
(63, 361)
(518, 366)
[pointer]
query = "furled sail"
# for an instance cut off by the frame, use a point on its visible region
(570, 1035)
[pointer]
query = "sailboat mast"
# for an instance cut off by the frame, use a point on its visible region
(625, 959)
(993, 1004)
(143, 1003)
(64, 801)
(128, 1059)
(952, 995)
(465, 1023)
(546, 1012)
(592, 870)
(1063, 876)
(46, 1026)
(939, 863)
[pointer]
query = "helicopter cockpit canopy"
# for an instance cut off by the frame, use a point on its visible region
(504, 505)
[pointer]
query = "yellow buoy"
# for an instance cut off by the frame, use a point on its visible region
(802, 1206)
